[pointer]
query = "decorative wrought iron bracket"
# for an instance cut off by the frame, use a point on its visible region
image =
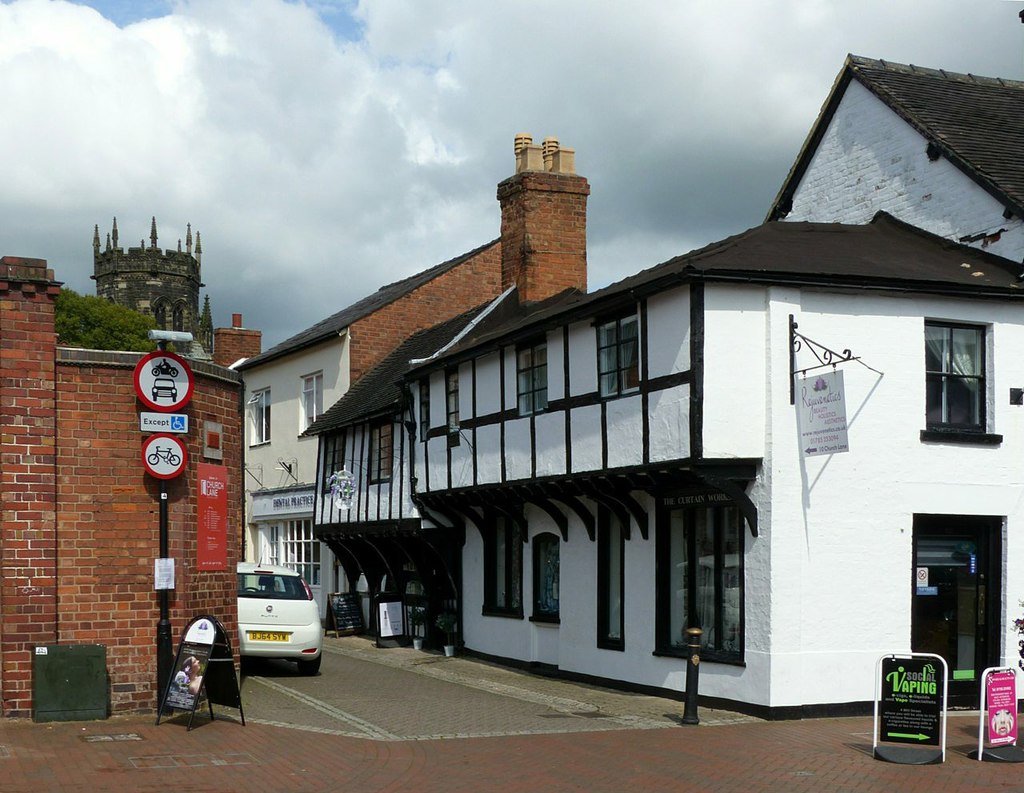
(825, 357)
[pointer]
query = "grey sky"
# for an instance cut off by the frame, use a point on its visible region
(324, 149)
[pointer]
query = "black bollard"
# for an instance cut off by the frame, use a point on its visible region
(692, 673)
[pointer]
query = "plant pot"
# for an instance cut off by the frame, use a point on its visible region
(417, 643)
(449, 650)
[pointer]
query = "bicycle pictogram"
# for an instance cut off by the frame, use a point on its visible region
(163, 454)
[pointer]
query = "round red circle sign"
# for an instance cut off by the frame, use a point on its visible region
(164, 455)
(163, 381)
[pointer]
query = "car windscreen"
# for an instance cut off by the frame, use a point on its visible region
(267, 585)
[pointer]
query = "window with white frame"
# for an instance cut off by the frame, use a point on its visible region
(312, 398)
(259, 417)
(955, 372)
(618, 358)
(292, 545)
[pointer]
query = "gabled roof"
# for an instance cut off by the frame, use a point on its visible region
(332, 326)
(379, 391)
(884, 255)
(975, 122)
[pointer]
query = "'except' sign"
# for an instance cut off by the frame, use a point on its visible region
(163, 422)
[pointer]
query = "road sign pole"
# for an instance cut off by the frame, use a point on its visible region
(164, 645)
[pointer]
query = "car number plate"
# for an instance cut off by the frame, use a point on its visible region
(267, 636)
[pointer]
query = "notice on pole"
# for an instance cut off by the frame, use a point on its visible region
(163, 574)
(212, 513)
(821, 414)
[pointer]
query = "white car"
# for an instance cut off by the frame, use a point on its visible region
(277, 616)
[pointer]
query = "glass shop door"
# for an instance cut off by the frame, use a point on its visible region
(956, 597)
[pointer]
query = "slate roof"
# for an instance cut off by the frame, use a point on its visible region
(334, 324)
(885, 254)
(975, 122)
(379, 392)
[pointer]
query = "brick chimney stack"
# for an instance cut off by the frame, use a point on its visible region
(543, 221)
(232, 344)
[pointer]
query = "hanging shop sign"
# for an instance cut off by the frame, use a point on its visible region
(163, 381)
(910, 708)
(164, 455)
(821, 414)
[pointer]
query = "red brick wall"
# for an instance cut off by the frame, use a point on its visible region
(27, 473)
(232, 344)
(109, 521)
(468, 284)
(543, 233)
(80, 517)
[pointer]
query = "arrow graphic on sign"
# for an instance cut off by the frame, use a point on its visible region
(917, 737)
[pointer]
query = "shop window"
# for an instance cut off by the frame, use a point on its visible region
(312, 398)
(611, 547)
(701, 583)
(955, 366)
(292, 545)
(545, 577)
(618, 368)
(532, 378)
(503, 570)
(381, 452)
(259, 417)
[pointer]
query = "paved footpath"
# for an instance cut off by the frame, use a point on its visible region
(567, 737)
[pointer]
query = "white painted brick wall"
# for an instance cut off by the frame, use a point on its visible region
(871, 160)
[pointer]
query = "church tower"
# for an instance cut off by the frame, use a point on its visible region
(163, 284)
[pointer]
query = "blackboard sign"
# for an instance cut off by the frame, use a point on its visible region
(344, 613)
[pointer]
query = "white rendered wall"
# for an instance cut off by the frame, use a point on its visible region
(870, 159)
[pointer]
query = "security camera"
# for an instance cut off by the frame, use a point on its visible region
(169, 335)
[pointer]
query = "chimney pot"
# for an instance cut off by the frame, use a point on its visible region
(523, 139)
(236, 320)
(550, 148)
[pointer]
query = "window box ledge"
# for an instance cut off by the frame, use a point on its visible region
(541, 619)
(963, 437)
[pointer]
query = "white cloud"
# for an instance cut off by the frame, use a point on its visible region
(325, 149)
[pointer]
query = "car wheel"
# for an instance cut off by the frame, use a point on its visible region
(310, 668)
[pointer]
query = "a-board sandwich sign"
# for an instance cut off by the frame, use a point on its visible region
(186, 681)
(998, 720)
(204, 668)
(911, 705)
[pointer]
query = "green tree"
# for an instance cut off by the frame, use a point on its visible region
(97, 324)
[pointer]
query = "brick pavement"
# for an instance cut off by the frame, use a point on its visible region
(724, 753)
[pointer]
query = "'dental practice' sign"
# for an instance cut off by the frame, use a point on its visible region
(821, 414)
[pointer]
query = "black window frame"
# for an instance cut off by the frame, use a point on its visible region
(424, 408)
(666, 644)
(946, 378)
(540, 542)
(610, 583)
(380, 464)
(334, 458)
(451, 405)
(532, 378)
(512, 565)
(626, 377)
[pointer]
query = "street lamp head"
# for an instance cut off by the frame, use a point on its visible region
(170, 335)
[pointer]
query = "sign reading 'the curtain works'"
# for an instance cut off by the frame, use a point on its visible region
(212, 513)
